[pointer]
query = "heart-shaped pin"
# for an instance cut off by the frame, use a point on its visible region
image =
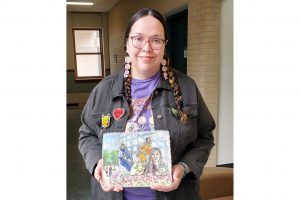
(118, 113)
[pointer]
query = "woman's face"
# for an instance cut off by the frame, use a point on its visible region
(145, 61)
(156, 155)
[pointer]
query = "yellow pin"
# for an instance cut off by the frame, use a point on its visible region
(105, 120)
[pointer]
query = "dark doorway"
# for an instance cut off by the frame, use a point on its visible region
(177, 44)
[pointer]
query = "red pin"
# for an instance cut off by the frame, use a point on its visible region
(118, 113)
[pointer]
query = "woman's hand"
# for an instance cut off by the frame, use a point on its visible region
(98, 177)
(177, 175)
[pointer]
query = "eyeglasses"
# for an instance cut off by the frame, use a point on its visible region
(139, 42)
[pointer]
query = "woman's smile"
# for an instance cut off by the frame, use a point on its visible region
(146, 58)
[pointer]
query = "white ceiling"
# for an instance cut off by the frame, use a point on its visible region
(99, 6)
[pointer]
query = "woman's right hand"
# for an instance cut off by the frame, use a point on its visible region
(98, 177)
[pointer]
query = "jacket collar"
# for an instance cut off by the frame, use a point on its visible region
(164, 84)
(118, 88)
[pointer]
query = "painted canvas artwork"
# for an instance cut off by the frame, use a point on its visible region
(137, 159)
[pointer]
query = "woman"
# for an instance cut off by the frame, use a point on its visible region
(156, 164)
(148, 95)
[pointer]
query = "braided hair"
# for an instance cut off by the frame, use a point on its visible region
(176, 92)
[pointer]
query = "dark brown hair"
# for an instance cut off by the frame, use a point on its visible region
(171, 78)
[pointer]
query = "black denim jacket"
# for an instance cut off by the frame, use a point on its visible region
(190, 143)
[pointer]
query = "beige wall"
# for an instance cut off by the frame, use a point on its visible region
(88, 20)
(203, 43)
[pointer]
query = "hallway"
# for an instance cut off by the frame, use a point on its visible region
(78, 178)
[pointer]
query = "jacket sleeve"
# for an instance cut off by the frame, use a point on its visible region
(89, 145)
(197, 152)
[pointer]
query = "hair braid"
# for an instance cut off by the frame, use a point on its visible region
(127, 87)
(176, 93)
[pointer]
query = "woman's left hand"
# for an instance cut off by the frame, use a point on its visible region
(178, 172)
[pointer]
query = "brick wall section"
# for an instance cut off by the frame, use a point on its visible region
(203, 54)
(203, 43)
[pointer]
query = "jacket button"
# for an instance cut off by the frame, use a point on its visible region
(158, 116)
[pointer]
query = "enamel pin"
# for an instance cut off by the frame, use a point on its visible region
(175, 113)
(118, 113)
(105, 120)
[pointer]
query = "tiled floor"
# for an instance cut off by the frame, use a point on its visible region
(78, 178)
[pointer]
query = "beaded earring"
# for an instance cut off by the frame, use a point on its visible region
(164, 68)
(127, 66)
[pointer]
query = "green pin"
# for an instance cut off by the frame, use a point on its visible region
(175, 112)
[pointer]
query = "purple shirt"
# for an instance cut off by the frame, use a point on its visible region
(142, 120)
(141, 91)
